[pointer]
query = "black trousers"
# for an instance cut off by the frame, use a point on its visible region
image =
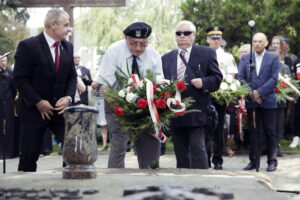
(265, 128)
(32, 135)
(217, 136)
(189, 146)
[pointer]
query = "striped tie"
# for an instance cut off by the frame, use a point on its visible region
(182, 67)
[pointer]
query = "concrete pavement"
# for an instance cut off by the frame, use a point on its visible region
(111, 182)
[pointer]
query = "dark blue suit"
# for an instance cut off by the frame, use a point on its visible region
(264, 83)
(188, 130)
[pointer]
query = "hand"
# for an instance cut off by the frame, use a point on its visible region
(61, 104)
(197, 82)
(80, 88)
(257, 97)
(105, 88)
(95, 85)
(45, 109)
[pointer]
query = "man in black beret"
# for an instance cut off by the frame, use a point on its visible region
(133, 55)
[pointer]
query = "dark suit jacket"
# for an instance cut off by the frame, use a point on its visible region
(84, 96)
(266, 80)
(35, 76)
(202, 64)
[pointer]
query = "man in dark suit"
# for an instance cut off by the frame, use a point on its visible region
(199, 66)
(263, 85)
(45, 76)
(84, 76)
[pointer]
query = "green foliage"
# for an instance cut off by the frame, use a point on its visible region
(272, 17)
(12, 25)
(103, 26)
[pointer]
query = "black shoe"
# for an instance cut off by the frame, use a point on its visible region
(279, 154)
(250, 166)
(271, 167)
(218, 167)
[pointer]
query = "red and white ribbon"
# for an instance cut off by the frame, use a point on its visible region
(176, 101)
(153, 112)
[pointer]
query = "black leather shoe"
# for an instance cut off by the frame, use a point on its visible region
(250, 166)
(271, 167)
(218, 167)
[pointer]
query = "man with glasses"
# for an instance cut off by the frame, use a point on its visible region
(133, 55)
(198, 67)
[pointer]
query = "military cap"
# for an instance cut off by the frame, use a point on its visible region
(138, 30)
(215, 31)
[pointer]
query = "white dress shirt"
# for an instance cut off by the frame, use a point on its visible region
(50, 42)
(258, 61)
(187, 55)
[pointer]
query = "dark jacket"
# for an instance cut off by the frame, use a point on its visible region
(35, 76)
(202, 64)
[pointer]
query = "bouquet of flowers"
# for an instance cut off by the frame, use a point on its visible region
(146, 103)
(286, 89)
(230, 90)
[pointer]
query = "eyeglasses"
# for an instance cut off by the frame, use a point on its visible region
(185, 33)
(135, 44)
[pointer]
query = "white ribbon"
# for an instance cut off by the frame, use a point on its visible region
(176, 101)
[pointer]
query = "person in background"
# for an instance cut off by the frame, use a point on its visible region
(263, 86)
(83, 81)
(198, 67)
(9, 143)
(227, 66)
(45, 77)
(281, 106)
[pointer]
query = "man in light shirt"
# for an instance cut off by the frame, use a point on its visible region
(132, 55)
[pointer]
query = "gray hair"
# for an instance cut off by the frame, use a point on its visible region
(185, 22)
(54, 16)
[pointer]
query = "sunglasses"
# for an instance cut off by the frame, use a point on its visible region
(185, 33)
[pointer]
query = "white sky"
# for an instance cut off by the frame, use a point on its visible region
(37, 16)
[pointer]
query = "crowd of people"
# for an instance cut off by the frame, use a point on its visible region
(48, 77)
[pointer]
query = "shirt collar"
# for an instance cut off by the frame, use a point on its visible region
(49, 40)
(261, 55)
(188, 50)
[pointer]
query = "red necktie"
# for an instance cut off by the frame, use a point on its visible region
(57, 56)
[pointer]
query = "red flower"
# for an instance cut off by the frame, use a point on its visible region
(180, 85)
(283, 84)
(142, 103)
(277, 90)
(154, 88)
(119, 111)
(160, 103)
(166, 94)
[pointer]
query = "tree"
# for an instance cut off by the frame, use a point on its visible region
(272, 17)
(103, 26)
(12, 24)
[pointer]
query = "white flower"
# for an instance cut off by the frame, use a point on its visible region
(224, 86)
(237, 83)
(141, 84)
(129, 89)
(233, 87)
(122, 93)
(130, 97)
(229, 79)
(130, 81)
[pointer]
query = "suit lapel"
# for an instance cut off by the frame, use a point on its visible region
(173, 63)
(262, 67)
(47, 52)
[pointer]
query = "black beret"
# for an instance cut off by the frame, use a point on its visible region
(138, 30)
(215, 31)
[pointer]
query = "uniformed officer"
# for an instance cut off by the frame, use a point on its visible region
(227, 65)
(133, 55)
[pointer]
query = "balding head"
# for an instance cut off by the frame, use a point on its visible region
(260, 42)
